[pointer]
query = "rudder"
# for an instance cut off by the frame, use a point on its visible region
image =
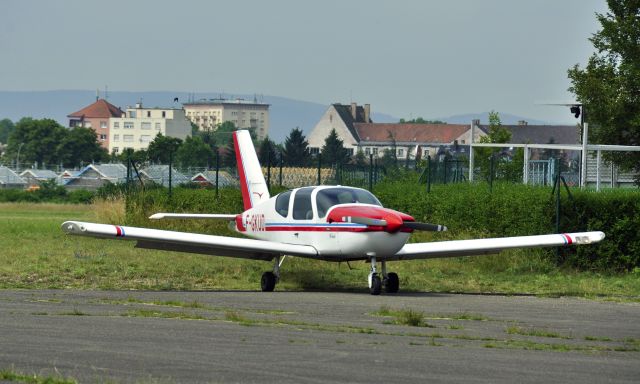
(252, 184)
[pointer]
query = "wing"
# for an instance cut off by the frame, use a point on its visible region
(480, 247)
(158, 216)
(190, 242)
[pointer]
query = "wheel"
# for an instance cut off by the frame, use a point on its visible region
(268, 281)
(392, 283)
(376, 284)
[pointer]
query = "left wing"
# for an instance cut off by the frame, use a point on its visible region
(214, 216)
(190, 242)
(480, 247)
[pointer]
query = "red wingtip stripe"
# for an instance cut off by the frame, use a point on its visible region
(118, 231)
(569, 240)
(246, 198)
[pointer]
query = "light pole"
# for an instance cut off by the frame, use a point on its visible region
(18, 157)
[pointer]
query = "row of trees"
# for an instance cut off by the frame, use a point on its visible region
(45, 143)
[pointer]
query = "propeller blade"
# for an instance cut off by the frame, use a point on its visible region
(424, 226)
(366, 221)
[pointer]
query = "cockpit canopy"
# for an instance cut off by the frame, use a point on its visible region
(328, 197)
(325, 198)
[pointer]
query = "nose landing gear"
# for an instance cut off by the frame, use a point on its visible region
(269, 279)
(389, 281)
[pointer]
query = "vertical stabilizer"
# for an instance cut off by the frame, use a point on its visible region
(252, 184)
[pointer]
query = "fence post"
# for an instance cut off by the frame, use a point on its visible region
(428, 173)
(444, 181)
(525, 169)
(319, 164)
(269, 170)
(217, 168)
(170, 173)
(583, 165)
(557, 187)
(471, 159)
(280, 175)
(375, 172)
(491, 170)
(598, 160)
(370, 172)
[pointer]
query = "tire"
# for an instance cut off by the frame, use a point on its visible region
(376, 285)
(268, 282)
(392, 283)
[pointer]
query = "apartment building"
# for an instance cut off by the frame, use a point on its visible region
(96, 116)
(139, 126)
(207, 114)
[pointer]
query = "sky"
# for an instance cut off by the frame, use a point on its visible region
(405, 58)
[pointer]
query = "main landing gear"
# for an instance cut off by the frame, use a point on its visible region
(389, 281)
(269, 279)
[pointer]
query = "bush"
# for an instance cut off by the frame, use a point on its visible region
(468, 210)
(518, 210)
(49, 192)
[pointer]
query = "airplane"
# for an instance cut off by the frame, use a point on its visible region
(332, 223)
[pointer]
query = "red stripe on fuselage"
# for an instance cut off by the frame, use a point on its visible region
(569, 240)
(118, 231)
(323, 229)
(246, 198)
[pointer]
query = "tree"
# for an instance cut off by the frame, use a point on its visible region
(333, 150)
(267, 152)
(506, 166)
(390, 155)
(161, 146)
(194, 152)
(228, 154)
(36, 141)
(296, 149)
(6, 127)
(138, 157)
(360, 159)
(80, 146)
(420, 120)
(609, 86)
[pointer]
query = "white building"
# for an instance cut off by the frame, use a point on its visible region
(140, 126)
(208, 114)
(354, 127)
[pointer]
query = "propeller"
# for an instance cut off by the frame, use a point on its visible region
(366, 221)
(424, 226)
(406, 224)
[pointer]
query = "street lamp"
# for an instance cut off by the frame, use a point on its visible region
(18, 157)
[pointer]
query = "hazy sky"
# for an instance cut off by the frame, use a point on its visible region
(405, 58)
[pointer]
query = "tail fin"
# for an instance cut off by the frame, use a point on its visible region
(254, 188)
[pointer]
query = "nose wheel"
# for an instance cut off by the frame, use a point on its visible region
(268, 282)
(269, 279)
(389, 281)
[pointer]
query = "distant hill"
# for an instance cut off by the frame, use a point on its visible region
(285, 114)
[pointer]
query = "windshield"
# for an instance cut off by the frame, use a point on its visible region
(327, 198)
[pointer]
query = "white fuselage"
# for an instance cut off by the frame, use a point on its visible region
(299, 220)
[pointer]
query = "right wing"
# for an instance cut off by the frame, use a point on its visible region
(191, 242)
(479, 247)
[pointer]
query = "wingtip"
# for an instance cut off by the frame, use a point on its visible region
(156, 216)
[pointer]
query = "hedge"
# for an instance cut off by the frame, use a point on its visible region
(466, 209)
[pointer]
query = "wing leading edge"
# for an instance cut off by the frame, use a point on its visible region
(190, 242)
(480, 247)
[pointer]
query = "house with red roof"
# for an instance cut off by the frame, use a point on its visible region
(96, 116)
(355, 128)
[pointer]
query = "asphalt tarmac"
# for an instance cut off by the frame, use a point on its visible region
(309, 337)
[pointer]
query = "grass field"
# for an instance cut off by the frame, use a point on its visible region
(34, 253)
